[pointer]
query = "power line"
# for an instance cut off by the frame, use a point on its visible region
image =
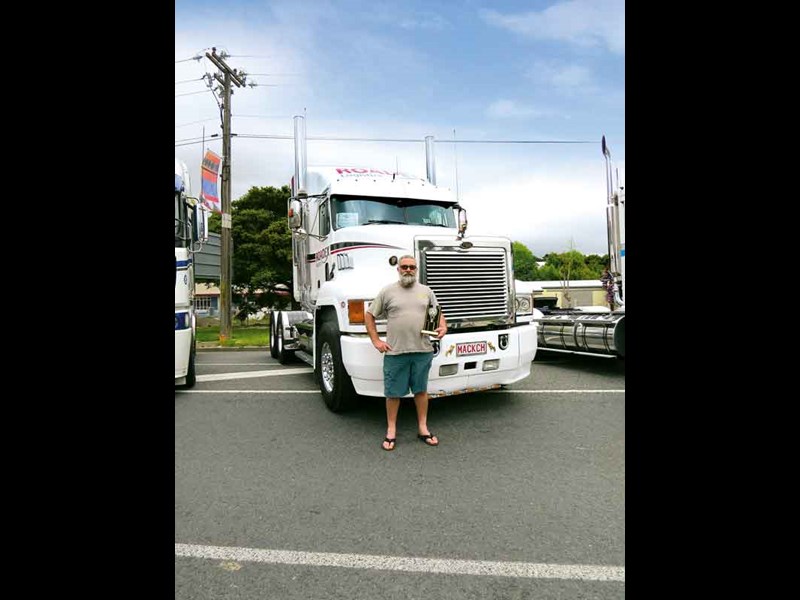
(189, 80)
(518, 141)
(399, 140)
(194, 122)
(192, 93)
(416, 141)
(197, 141)
(197, 58)
(265, 116)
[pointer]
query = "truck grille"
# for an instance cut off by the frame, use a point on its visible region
(469, 285)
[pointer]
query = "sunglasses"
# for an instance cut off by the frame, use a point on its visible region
(408, 267)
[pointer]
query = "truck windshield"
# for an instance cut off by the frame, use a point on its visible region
(349, 211)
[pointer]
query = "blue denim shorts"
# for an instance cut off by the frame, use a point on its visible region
(402, 372)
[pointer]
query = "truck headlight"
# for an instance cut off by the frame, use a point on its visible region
(523, 304)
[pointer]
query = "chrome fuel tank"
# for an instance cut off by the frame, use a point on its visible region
(592, 333)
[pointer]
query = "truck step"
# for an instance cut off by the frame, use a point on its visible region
(305, 357)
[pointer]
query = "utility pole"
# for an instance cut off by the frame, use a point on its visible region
(227, 77)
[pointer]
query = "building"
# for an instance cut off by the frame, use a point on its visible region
(588, 292)
(206, 299)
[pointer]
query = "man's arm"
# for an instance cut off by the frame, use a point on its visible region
(379, 344)
(442, 328)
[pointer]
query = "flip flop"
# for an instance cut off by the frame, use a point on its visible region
(427, 439)
(392, 441)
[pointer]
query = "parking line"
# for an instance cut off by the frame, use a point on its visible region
(316, 391)
(251, 374)
(406, 563)
(559, 391)
(232, 364)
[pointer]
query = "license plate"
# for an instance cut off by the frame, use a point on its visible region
(470, 348)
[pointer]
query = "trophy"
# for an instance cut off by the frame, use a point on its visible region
(432, 317)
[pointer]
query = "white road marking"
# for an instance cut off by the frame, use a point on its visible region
(251, 374)
(258, 364)
(406, 563)
(247, 391)
(317, 391)
(559, 392)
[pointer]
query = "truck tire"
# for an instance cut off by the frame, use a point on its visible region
(273, 333)
(283, 355)
(334, 382)
(191, 376)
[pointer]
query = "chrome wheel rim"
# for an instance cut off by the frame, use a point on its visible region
(326, 367)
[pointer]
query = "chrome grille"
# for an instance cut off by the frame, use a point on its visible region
(469, 285)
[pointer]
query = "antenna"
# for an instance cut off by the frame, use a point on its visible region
(455, 160)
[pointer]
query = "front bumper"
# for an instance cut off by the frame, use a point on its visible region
(365, 364)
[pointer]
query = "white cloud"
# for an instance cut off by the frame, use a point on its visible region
(566, 78)
(548, 208)
(503, 109)
(389, 14)
(572, 76)
(581, 22)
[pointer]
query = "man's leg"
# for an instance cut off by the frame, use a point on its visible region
(419, 381)
(421, 402)
(392, 408)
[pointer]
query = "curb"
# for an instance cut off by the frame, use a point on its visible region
(229, 348)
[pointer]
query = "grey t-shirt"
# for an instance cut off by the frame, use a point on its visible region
(404, 309)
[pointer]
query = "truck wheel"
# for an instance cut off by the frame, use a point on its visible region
(273, 334)
(284, 356)
(334, 382)
(191, 377)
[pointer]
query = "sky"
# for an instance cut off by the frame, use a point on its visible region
(533, 71)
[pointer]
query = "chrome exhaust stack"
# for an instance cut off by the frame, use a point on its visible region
(613, 224)
(430, 160)
(299, 186)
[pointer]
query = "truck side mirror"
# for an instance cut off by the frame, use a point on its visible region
(295, 214)
(200, 224)
(462, 221)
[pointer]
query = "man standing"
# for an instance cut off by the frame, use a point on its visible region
(407, 352)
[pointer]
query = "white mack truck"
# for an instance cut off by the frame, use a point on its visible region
(190, 229)
(349, 228)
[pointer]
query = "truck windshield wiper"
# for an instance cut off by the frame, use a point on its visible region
(432, 225)
(384, 222)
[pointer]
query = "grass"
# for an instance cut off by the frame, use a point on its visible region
(247, 335)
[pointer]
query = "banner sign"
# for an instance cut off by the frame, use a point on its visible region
(208, 188)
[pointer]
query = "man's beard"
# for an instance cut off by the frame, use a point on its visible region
(407, 279)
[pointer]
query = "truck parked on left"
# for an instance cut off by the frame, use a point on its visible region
(191, 230)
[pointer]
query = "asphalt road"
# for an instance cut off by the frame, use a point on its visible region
(276, 497)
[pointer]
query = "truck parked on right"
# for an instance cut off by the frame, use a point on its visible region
(577, 331)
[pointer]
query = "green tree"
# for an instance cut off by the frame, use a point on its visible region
(215, 223)
(567, 266)
(595, 264)
(262, 248)
(525, 268)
